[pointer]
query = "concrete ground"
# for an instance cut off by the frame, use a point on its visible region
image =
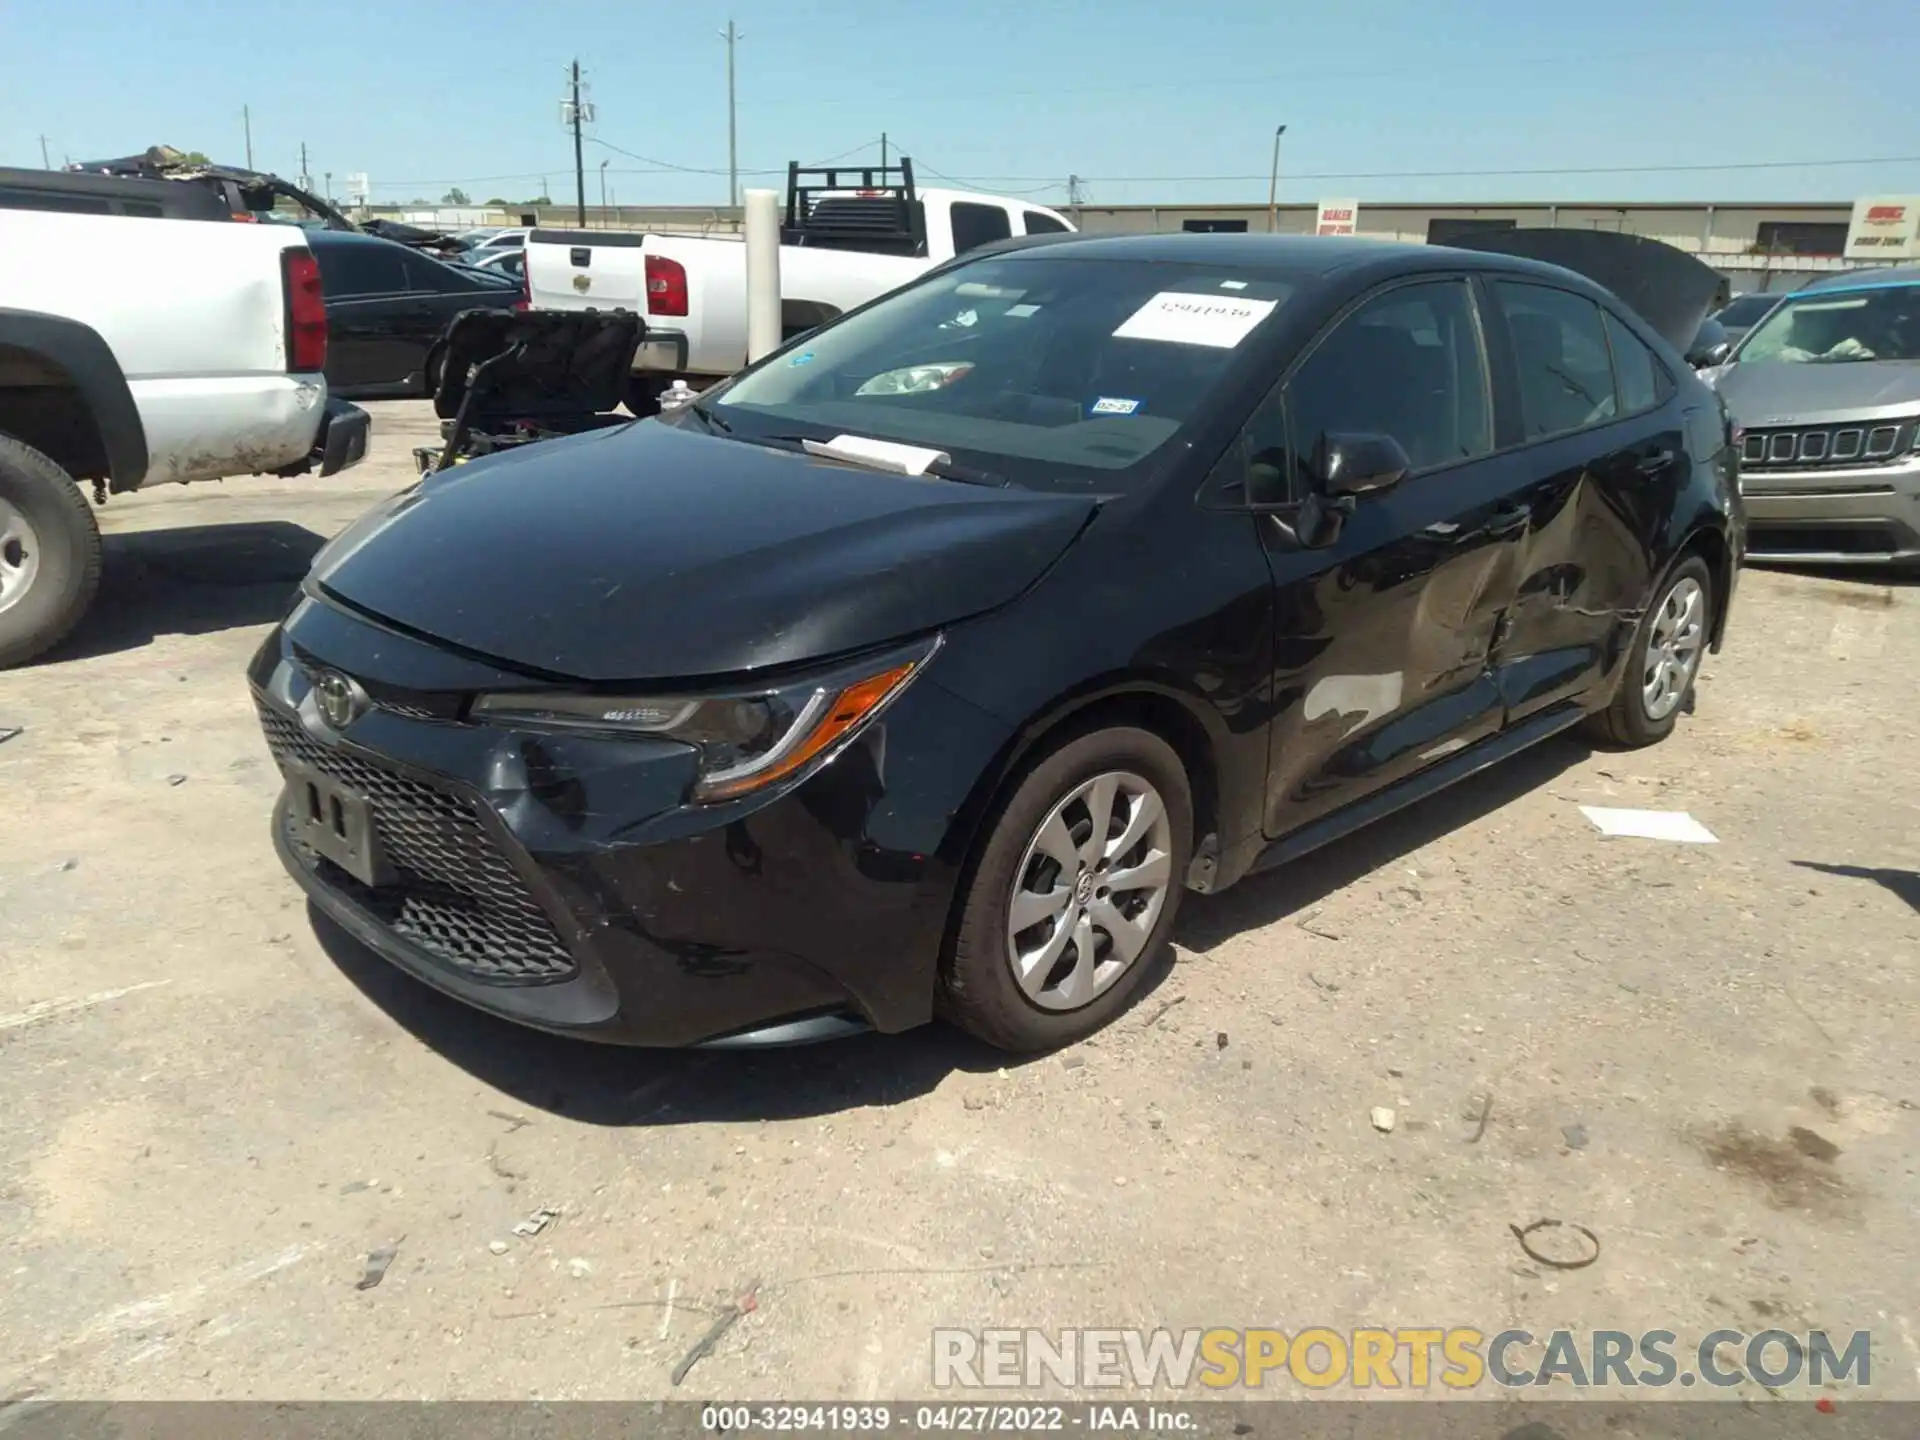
(215, 1110)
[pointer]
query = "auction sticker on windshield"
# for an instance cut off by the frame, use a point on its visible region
(1221, 321)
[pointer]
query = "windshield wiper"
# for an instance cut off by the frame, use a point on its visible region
(710, 417)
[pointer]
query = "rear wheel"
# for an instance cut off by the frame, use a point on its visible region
(49, 553)
(436, 367)
(1663, 662)
(1074, 893)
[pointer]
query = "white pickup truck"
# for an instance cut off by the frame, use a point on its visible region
(136, 352)
(857, 233)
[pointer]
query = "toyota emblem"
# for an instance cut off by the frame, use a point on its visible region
(339, 701)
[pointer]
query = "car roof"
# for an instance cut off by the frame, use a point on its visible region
(1866, 279)
(1291, 257)
(350, 239)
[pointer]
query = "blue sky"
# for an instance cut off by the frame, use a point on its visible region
(1174, 102)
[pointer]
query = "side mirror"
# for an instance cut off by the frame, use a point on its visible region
(1708, 356)
(1358, 464)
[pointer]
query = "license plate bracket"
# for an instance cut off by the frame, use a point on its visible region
(336, 823)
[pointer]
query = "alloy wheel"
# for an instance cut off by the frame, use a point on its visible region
(19, 556)
(1674, 646)
(1089, 890)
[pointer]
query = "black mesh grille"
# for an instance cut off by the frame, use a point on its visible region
(457, 896)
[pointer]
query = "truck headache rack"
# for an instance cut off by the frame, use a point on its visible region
(863, 207)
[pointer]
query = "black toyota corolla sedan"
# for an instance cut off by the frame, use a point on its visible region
(921, 667)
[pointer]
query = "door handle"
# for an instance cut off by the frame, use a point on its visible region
(1508, 519)
(1654, 461)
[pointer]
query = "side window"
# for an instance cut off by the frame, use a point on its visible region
(1408, 363)
(428, 275)
(1637, 370)
(1560, 352)
(1039, 224)
(349, 270)
(978, 225)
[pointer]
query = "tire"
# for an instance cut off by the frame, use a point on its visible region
(642, 395)
(1630, 721)
(49, 553)
(1070, 995)
(436, 362)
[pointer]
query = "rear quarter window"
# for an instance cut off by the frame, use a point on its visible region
(975, 225)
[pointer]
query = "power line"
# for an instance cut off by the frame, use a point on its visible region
(1042, 182)
(1452, 174)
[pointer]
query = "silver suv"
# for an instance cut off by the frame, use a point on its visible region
(1827, 390)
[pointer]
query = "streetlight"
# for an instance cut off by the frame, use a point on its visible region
(603, 192)
(1273, 184)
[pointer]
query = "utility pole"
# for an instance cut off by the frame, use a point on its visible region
(45, 163)
(306, 180)
(1074, 182)
(883, 149)
(603, 192)
(579, 163)
(730, 35)
(246, 119)
(329, 194)
(1273, 184)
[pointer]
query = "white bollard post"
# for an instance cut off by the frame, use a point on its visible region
(763, 272)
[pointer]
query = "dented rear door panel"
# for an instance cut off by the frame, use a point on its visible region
(1598, 503)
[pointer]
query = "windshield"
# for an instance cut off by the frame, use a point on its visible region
(1046, 371)
(1745, 309)
(1833, 326)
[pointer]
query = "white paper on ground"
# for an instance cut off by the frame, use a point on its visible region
(881, 454)
(1650, 824)
(1221, 321)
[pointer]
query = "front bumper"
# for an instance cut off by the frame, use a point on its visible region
(559, 881)
(342, 441)
(1869, 516)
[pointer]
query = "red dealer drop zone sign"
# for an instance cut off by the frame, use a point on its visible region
(1885, 227)
(1337, 217)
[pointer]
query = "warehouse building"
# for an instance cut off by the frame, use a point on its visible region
(1755, 246)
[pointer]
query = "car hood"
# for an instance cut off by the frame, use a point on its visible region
(649, 552)
(1772, 392)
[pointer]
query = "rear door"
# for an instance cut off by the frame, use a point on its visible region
(1589, 423)
(441, 292)
(1383, 639)
(366, 290)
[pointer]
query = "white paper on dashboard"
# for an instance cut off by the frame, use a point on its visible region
(1221, 321)
(880, 454)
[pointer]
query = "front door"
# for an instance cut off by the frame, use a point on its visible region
(1383, 636)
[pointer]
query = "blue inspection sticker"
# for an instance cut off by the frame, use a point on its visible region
(805, 357)
(1113, 405)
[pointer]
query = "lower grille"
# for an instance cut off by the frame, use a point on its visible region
(457, 896)
(1787, 540)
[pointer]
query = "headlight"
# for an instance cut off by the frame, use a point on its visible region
(747, 738)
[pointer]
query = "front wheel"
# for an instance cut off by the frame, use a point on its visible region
(1074, 893)
(1663, 661)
